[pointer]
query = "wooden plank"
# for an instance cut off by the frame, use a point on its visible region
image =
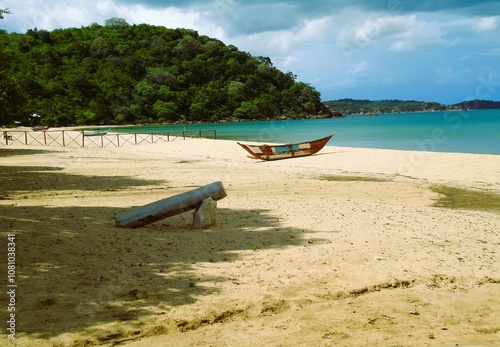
(168, 207)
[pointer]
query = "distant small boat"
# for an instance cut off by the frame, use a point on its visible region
(95, 132)
(40, 128)
(285, 151)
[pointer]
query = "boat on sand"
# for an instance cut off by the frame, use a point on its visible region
(95, 132)
(285, 151)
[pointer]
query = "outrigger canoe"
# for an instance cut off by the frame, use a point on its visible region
(285, 151)
(95, 132)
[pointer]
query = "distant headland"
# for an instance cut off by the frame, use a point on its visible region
(369, 107)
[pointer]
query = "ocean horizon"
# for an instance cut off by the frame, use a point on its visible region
(476, 132)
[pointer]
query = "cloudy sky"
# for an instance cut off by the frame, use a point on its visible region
(429, 50)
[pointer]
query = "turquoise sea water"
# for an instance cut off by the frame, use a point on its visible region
(460, 131)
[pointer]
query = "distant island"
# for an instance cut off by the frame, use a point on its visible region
(369, 107)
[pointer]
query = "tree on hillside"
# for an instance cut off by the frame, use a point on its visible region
(116, 23)
(4, 11)
(12, 97)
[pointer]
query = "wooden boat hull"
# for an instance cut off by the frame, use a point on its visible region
(286, 151)
(95, 132)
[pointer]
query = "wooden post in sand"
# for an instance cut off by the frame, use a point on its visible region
(171, 206)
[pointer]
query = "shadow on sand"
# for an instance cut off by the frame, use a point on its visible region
(7, 152)
(76, 270)
(32, 179)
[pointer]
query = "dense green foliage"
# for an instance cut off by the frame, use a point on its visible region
(130, 74)
(477, 104)
(350, 106)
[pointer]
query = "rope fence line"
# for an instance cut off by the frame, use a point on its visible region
(67, 138)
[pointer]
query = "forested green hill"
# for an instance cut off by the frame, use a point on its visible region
(368, 107)
(135, 74)
(350, 106)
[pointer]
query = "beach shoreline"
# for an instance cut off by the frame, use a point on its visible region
(347, 247)
(440, 132)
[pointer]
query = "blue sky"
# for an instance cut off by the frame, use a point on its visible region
(443, 50)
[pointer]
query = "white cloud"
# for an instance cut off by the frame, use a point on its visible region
(30, 14)
(360, 67)
(105, 6)
(290, 60)
(398, 33)
(169, 17)
(488, 24)
(315, 29)
(283, 41)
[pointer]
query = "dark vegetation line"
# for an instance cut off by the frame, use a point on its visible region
(351, 106)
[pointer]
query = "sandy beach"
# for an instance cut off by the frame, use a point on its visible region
(349, 247)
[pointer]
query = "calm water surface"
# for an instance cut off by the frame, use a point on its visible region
(463, 132)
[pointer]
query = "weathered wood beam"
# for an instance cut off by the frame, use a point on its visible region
(168, 207)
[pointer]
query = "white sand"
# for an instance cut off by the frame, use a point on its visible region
(295, 260)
